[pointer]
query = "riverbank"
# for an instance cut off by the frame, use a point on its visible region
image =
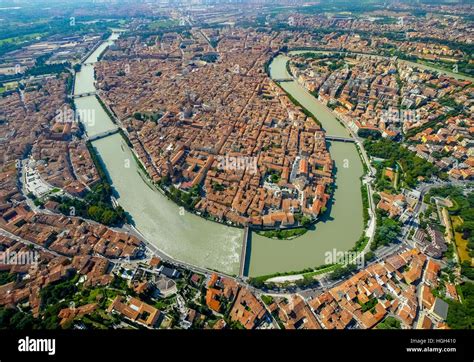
(285, 234)
(181, 235)
(194, 240)
(341, 227)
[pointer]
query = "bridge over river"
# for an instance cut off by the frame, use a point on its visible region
(86, 94)
(340, 139)
(243, 255)
(103, 134)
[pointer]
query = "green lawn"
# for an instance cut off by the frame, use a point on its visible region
(19, 39)
(320, 271)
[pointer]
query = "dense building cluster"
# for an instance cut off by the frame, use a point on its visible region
(190, 92)
(383, 97)
(220, 125)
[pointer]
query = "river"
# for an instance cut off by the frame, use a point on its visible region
(342, 228)
(343, 224)
(194, 240)
(183, 236)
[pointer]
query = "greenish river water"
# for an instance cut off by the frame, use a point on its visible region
(344, 225)
(194, 240)
(183, 236)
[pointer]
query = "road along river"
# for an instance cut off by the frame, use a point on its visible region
(342, 226)
(181, 235)
(196, 241)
